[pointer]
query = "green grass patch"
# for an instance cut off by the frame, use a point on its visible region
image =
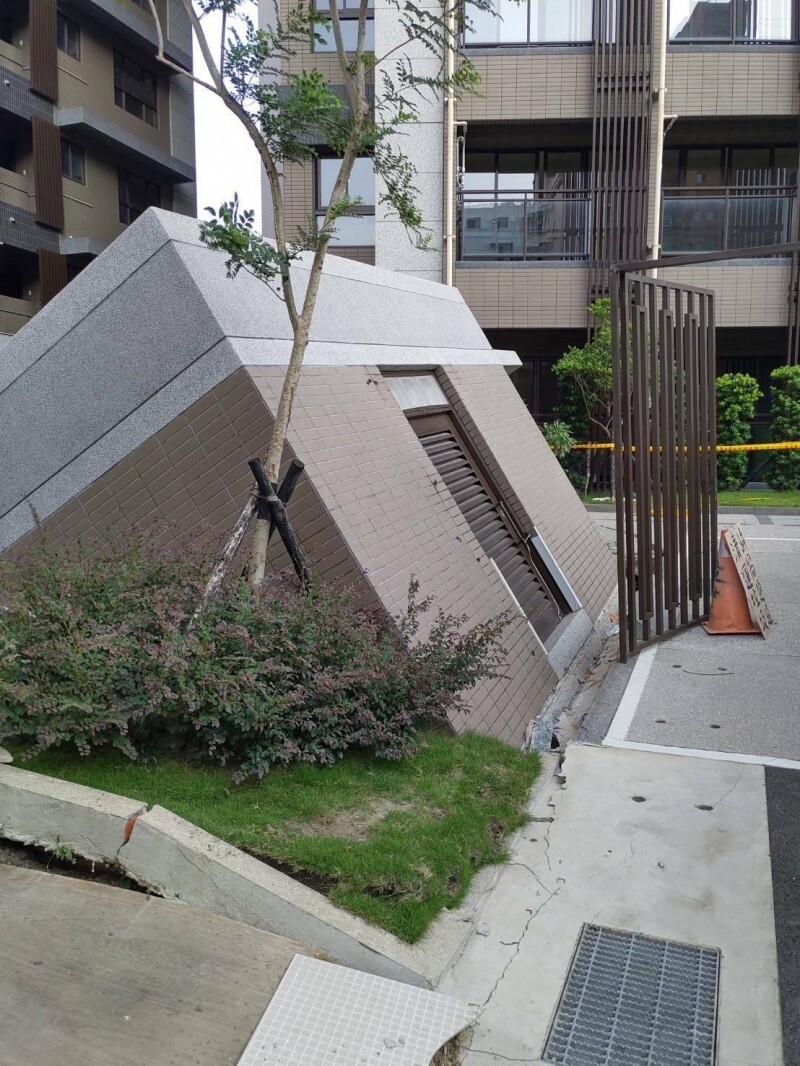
(766, 498)
(393, 842)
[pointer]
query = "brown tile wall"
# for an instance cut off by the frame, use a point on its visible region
(747, 295)
(742, 81)
(383, 493)
(535, 85)
(526, 298)
(194, 471)
(528, 474)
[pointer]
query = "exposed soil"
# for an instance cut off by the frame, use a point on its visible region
(34, 858)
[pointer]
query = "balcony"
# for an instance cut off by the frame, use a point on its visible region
(724, 219)
(14, 314)
(16, 189)
(536, 226)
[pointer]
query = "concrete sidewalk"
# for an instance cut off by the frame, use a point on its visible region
(680, 821)
(93, 975)
(671, 847)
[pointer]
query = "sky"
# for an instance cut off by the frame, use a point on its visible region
(226, 159)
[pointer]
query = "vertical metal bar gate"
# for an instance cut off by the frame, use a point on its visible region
(664, 455)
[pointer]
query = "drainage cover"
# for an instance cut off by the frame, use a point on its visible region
(635, 1000)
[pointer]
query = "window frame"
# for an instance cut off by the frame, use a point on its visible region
(120, 61)
(528, 43)
(358, 211)
(123, 173)
(733, 39)
(726, 154)
(73, 151)
(67, 24)
(348, 12)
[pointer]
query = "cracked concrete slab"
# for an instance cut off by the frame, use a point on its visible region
(636, 841)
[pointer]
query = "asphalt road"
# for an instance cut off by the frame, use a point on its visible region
(783, 809)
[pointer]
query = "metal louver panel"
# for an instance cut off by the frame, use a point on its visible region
(44, 50)
(52, 274)
(491, 530)
(47, 180)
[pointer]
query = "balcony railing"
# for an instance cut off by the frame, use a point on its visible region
(527, 226)
(724, 219)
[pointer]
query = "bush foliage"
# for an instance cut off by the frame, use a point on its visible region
(737, 396)
(95, 653)
(784, 469)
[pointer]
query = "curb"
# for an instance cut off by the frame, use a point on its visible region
(180, 861)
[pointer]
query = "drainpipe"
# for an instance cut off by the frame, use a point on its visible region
(658, 122)
(449, 149)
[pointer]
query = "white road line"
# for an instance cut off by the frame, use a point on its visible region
(792, 540)
(703, 753)
(632, 696)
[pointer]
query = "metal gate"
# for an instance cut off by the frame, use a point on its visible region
(664, 455)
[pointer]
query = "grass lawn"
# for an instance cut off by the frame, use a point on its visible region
(394, 842)
(740, 498)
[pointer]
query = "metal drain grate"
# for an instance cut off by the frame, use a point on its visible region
(635, 1000)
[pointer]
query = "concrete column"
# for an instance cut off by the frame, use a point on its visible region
(423, 143)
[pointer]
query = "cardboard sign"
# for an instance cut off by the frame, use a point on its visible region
(746, 569)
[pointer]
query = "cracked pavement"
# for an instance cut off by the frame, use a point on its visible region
(686, 859)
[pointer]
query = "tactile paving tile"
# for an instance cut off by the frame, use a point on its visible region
(323, 1013)
(635, 1000)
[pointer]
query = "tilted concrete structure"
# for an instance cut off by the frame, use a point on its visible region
(142, 389)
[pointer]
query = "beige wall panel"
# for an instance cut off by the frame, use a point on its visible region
(533, 482)
(382, 491)
(526, 297)
(298, 194)
(530, 86)
(742, 81)
(746, 295)
(92, 210)
(89, 82)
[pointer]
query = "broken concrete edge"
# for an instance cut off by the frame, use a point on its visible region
(540, 730)
(176, 859)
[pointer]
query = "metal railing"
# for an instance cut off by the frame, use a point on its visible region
(725, 218)
(523, 226)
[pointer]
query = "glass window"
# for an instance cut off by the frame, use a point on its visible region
(564, 170)
(136, 194)
(725, 20)
(750, 166)
(786, 166)
(73, 162)
(361, 183)
(68, 36)
(348, 20)
(704, 167)
(8, 155)
(417, 390)
(479, 171)
(135, 89)
(516, 170)
(671, 168)
(352, 231)
(763, 20)
(561, 21)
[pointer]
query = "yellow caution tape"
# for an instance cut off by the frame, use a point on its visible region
(778, 446)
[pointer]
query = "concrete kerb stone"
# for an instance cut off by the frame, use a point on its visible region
(35, 809)
(182, 862)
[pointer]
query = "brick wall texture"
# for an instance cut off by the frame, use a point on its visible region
(370, 508)
(525, 297)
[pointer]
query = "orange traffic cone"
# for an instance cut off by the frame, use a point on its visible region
(730, 612)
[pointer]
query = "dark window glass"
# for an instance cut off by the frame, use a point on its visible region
(704, 167)
(68, 36)
(6, 27)
(136, 194)
(786, 166)
(725, 20)
(135, 89)
(348, 20)
(73, 162)
(8, 155)
(671, 168)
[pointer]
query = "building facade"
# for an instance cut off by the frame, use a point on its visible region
(92, 132)
(603, 131)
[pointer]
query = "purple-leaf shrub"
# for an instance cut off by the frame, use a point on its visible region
(94, 652)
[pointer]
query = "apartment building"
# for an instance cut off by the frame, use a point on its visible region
(604, 130)
(92, 132)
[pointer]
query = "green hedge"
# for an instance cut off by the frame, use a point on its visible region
(784, 469)
(737, 396)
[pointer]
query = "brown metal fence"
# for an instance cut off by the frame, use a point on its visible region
(664, 455)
